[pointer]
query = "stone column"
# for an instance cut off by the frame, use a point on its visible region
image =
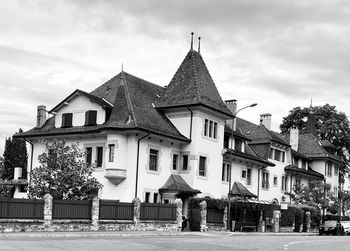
(48, 209)
(203, 209)
(178, 203)
(95, 213)
(308, 221)
(137, 213)
(225, 217)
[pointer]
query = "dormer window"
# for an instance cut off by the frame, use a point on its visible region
(90, 117)
(278, 155)
(67, 119)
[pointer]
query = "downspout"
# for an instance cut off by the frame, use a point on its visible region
(259, 182)
(190, 122)
(290, 188)
(31, 162)
(137, 161)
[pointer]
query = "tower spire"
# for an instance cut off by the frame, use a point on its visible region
(199, 45)
(192, 41)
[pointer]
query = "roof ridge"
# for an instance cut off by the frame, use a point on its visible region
(195, 77)
(128, 99)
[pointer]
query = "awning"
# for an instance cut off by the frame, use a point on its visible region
(294, 170)
(241, 191)
(178, 185)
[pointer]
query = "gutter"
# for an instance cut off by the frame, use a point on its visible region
(137, 162)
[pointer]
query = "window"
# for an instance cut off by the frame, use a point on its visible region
(184, 162)
(155, 198)
(67, 119)
(265, 180)
(202, 165)
(284, 186)
(210, 128)
(238, 145)
(275, 180)
(90, 117)
(111, 153)
(249, 176)
(336, 170)
(271, 153)
(88, 155)
(278, 155)
(303, 165)
(175, 161)
(329, 169)
(147, 195)
(297, 182)
(99, 156)
(244, 174)
(153, 159)
(226, 141)
(225, 172)
(335, 191)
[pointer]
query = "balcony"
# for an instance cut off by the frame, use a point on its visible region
(116, 176)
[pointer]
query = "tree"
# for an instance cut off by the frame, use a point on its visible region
(15, 155)
(62, 173)
(5, 190)
(317, 194)
(330, 125)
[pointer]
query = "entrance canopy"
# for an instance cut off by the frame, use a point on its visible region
(176, 184)
(241, 191)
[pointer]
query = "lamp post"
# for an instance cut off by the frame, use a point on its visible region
(233, 128)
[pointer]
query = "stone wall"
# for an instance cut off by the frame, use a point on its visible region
(48, 224)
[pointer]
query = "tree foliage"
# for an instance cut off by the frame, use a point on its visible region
(331, 125)
(15, 155)
(317, 194)
(62, 173)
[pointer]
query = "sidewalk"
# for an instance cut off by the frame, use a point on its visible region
(139, 234)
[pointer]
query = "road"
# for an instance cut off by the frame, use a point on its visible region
(201, 242)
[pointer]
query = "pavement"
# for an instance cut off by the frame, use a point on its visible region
(140, 234)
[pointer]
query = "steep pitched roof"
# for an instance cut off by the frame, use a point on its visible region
(192, 85)
(312, 147)
(132, 109)
(177, 184)
(259, 134)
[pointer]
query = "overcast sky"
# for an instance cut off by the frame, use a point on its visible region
(278, 54)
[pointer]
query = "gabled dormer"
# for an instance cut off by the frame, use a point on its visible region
(81, 109)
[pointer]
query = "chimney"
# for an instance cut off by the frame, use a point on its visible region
(294, 138)
(232, 105)
(17, 173)
(265, 119)
(41, 116)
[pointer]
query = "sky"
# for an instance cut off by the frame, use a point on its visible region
(277, 53)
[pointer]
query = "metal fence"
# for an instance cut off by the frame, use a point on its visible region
(115, 210)
(21, 209)
(215, 216)
(71, 209)
(155, 211)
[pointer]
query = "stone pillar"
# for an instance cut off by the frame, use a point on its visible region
(308, 221)
(178, 203)
(276, 221)
(137, 213)
(95, 213)
(225, 217)
(261, 225)
(203, 209)
(48, 209)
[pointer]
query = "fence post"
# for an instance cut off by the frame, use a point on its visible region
(203, 209)
(225, 217)
(178, 203)
(95, 211)
(137, 208)
(48, 209)
(308, 221)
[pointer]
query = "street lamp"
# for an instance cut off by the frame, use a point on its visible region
(233, 128)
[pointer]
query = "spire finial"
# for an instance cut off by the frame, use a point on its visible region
(122, 72)
(122, 67)
(192, 41)
(311, 103)
(199, 45)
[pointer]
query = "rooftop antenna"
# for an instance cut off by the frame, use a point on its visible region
(199, 45)
(192, 41)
